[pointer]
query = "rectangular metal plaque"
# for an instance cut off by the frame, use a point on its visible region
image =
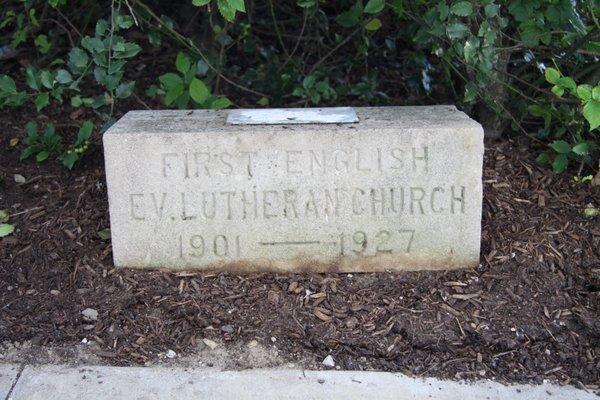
(285, 116)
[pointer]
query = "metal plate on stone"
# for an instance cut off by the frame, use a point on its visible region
(285, 116)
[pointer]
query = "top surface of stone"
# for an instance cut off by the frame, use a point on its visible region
(370, 118)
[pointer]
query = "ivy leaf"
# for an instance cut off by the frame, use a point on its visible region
(182, 63)
(6, 229)
(591, 112)
(560, 146)
(373, 24)
(199, 3)
(462, 9)
(198, 91)
(552, 75)
(374, 6)
(561, 162)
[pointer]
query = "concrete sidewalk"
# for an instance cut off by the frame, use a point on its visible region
(139, 383)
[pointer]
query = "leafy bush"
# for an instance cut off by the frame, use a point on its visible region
(527, 66)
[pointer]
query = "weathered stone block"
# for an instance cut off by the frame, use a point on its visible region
(399, 190)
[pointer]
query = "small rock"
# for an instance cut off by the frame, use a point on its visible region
(19, 178)
(212, 345)
(88, 327)
(55, 292)
(84, 340)
(170, 354)
(89, 314)
(273, 339)
(328, 362)
(227, 328)
(251, 344)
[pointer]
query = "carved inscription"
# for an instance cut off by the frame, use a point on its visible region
(242, 199)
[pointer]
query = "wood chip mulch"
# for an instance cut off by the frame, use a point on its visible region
(528, 313)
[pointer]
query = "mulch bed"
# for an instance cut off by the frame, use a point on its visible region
(528, 313)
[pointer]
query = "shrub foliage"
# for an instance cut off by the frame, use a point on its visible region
(530, 66)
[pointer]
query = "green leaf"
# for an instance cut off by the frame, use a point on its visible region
(182, 63)
(6, 229)
(462, 9)
(124, 21)
(491, 10)
(78, 60)
(584, 92)
(226, 10)
(7, 84)
(200, 3)
(560, 146)
(457, 30)
(69, 160)
(42, 43)
(237, 5)
(4, 215)
(173, 93)
(170, 80)
(26, 153)
(591, 112)
(31, 78)
(220, 103)
(350, 18)
(104, 234)
(374, 6)
(552, 75)
(198, 91)
(85, 132)
(42, 100)
(561, 162)
(63, 76)
(42, 156)
(558, 90)
(124, 90)
(373, 24)
(596, 93)
(582, 148)
(543, 158)
(46, 79)
(568, 83)
(470, 92)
